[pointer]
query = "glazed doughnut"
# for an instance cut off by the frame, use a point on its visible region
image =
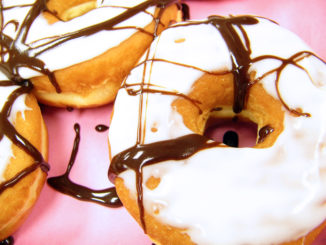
(184, 188)
(24, 146)
(78, 52)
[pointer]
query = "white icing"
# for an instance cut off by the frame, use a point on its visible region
(231, 195)
(79, 49)
(5, 144)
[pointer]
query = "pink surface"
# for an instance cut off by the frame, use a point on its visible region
(60, 219)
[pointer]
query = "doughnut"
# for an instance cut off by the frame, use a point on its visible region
(24, 146)
(77, 53)
(183, 187)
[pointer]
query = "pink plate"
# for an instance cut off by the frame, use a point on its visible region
(60, 219)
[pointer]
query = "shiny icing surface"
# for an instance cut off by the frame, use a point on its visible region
(247, 191)
(57, 218)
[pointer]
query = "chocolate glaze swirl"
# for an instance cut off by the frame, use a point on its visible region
(184, 147)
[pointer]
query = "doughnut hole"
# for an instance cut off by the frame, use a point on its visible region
(215, 94)
(235, 132)
(263, 115)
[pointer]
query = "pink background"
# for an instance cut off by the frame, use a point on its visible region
(60, 219)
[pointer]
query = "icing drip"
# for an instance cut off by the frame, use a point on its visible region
(8, 130)
(106, 197)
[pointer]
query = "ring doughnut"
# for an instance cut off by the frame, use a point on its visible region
(24, 146)
(74, 54)
(184, 188)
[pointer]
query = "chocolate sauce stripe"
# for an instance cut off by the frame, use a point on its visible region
(141, 131)
(18, 177)
(101, 128)
(292, 61)
(21, 55)
(140, 91)
(184, 65)
(13, 22)
(54, 39)
(7, 83)
(145, 11)
(18, 59)
(176, 149)
(242, 19)
(123, 7)
(7, 241)
(16, 6)
(107, 197)
(140, 139)
(37, 8)
(21, 142)
(246, 39)
(263, 133)
(140, 105)
(7, 129)
(106, 25)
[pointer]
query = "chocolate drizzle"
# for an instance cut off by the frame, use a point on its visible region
(240, 54)
(141, 155)
(293, 60)
(264, 132)
(185, 11)
(16, 53)
(106, 197)
(101, 128)
(141, 90)
(8, 130)
(8, 241)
